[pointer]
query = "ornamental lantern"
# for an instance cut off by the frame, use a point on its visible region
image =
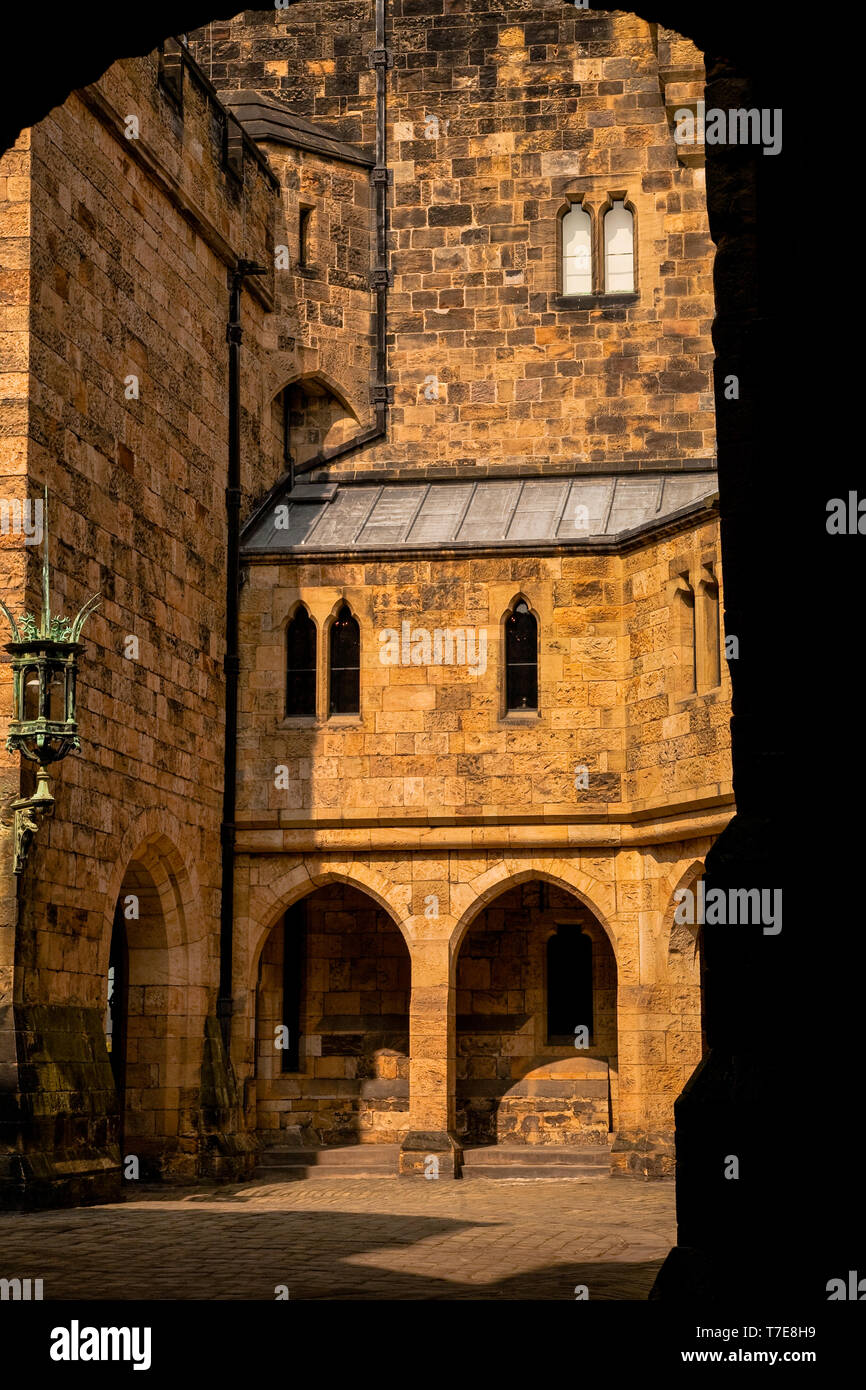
(43, 725)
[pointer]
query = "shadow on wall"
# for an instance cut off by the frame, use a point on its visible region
(309, 417)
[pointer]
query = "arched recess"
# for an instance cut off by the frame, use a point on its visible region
(301, 639)
(686, 965)
(520, 642)
(519, 1079)
(575, 249)
(623, 215)
(153, 966)
(591, 893)
(311, 414)
(344, 656)
(330, 1038)
(269, 900)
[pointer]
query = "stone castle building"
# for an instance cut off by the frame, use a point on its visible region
(365, 354)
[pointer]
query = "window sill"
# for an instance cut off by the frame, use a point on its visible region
(684, 701)
(344, 721)
(517, 716)
(299, 721)
(595, 301)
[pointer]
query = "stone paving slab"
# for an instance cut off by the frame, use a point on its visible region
(356, 1239)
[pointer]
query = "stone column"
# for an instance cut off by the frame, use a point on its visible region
(649, 1076)
(431, 1146)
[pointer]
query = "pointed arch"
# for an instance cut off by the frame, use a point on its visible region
(154, 963)
(682, 936)
(504, 875)
(311, 413)
(153, 840)
(272, 899)
(520, 635)
(686, 956)
(344, 662)
(301, 639)
(316, 378)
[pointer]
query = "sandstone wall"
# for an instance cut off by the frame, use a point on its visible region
(498, 118)
(128, 241)
(435, 741)
(322, 330)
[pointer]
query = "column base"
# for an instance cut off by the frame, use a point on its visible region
(430, 1153)
(642, 1154)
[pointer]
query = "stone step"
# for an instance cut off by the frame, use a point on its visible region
(354, 1161)
(503, 1161)
(517, 1172)
(595, 1155)
(516, 1161)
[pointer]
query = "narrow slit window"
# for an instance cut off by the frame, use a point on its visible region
(305, 230)
(709, 657)
(294, 967)
(569, 984)
(618, 250)
(116, 998)
(521, 659)
(345, 672)
(577, 251)
(301, 667)
(686, 636)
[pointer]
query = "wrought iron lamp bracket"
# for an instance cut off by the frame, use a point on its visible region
(44, 725)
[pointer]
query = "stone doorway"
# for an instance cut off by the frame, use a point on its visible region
(332, 1033)
(117, 1015)
(154, 1021)
(534, 968)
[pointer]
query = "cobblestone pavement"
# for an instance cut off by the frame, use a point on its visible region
(360, 1239)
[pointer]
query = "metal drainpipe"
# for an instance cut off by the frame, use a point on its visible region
(231, 661)
(381, 277)
(381, 394)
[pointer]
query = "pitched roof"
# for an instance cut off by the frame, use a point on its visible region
(460, 515)
(264, 118)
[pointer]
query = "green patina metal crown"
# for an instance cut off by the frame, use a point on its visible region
(44, 671)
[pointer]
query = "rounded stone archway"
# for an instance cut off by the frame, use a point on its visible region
(686, 965)
(330, 1037)
(536, 1022)
(155, 1010)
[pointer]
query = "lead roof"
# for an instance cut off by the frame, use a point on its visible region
(462, 514)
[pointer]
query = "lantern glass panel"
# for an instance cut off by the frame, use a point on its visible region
(57, 696)
(30, 699)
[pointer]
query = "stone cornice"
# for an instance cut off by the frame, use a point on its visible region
(609, 831)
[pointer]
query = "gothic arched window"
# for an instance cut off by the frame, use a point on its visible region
(577, 251)
(345, 664)
(301, 666)
(521, 659)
